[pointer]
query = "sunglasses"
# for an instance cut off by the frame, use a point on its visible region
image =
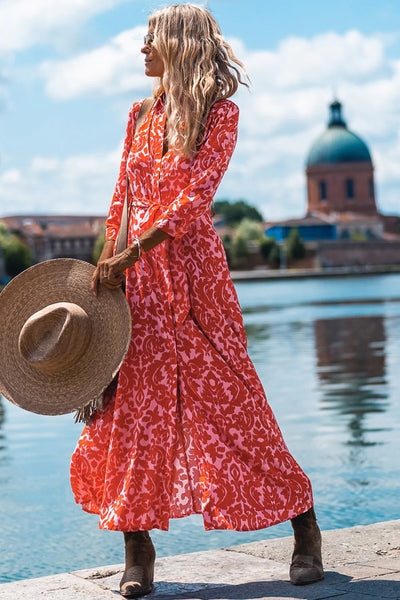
(148, 39)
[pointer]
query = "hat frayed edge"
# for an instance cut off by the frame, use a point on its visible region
(85, 414)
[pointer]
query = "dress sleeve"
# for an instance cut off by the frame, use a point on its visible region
(208, 169)
(117, 203)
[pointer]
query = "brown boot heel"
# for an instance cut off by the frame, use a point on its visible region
(306, 566)
(140, 555)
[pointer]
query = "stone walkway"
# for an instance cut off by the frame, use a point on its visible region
(361, 563)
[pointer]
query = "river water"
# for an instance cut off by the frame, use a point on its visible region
(328, 354)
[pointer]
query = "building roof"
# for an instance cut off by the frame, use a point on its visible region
(301, 222)
(55, 226)
(337, 143)
(16, 221)
(79, 230)
(322, 219)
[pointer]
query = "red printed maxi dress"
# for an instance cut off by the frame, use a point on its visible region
(189, 429)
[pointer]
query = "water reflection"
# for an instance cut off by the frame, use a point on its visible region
(2, 418)
(352, 371)
(256, 332)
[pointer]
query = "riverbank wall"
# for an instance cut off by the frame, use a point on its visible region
(276, 275)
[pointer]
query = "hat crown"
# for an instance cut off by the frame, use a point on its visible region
(57, 359)
(55, 338)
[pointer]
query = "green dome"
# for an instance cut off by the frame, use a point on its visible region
(337, 143)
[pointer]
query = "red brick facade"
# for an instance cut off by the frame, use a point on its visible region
(341, 187)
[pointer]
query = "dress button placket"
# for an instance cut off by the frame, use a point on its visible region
(159, 135)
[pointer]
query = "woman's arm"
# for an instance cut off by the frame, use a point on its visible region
(117, 203)
(208, 168)
(110, 269)
(207, 171)
(108, 273)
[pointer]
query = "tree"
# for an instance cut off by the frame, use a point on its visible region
(221, 206)
(250, 230)
(267, 244)
(358, 236)
(295, 248)
(98, 245)
(234, 212)
(240, 250)
(248, 237)
(275, 256)
(17, 255)
(227, 244)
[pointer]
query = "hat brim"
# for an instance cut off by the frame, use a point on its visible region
(61, 280)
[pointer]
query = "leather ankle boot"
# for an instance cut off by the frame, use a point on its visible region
(306, 566)
(140, 555)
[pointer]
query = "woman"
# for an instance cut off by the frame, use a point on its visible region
(188, 428)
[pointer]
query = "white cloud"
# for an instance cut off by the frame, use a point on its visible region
(24, 23)
(297, 63)
(10, 178)
(3, 96)
(281, 117)
(6, 70)
(44, 165)
(387, 159)
(108, 70)
(320, 60)
(288, 108)
(81, 184)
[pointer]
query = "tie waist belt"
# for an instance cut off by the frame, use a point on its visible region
(174, 282)
(144, 203)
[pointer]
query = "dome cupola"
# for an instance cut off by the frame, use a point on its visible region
(335, 117)
(339, 170)
(337, 143)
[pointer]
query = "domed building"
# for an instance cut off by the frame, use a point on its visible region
(340, 172)
(342, 224)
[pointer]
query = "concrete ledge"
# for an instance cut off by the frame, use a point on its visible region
(360, 562)
(277, 275)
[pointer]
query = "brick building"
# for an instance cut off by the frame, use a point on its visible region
(57, 236)
(339, 171)
(341, 202)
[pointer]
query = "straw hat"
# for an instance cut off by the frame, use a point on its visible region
(60, 345)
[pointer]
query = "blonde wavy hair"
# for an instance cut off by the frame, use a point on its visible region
(199, 69)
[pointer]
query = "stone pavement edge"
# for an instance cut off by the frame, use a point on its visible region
(361, 563)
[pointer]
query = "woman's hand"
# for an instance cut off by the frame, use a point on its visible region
(110, 269)
(110, 272)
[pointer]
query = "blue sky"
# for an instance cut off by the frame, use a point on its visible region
(69, 71)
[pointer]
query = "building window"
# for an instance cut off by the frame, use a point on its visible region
(323, 191)
(371, 188)
(349, 189)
